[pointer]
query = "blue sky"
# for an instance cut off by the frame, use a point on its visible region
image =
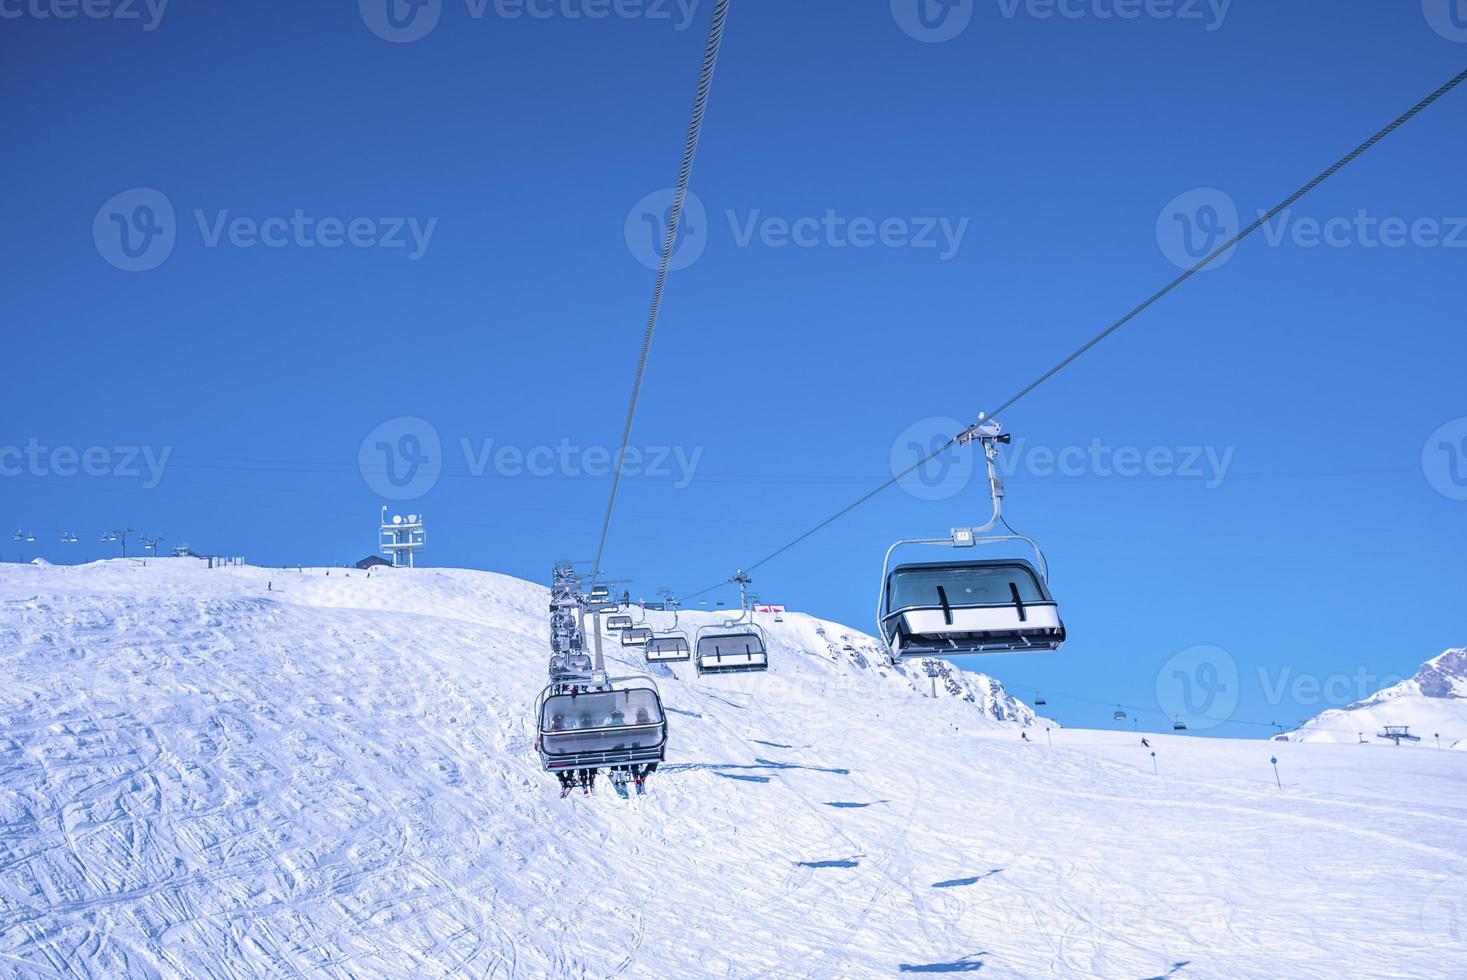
(895, 229)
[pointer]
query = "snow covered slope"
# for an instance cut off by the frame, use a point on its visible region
(1432, 703)
(250, 772)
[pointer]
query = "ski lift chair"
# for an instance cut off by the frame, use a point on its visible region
(974, 607)
(1179, 725)
(572, 670)
(637, 636)
(618, 623)
(957, 608)
(621, 726)
(1120, 715)
(731, 649)
(672, 649)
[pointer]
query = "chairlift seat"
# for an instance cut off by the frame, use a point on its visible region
(738, 652)
(668, 650)
(975, 607)
(602, 728)
(618, 623)
(636, 637)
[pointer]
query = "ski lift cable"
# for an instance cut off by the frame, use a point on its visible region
(1212, 257)
(690, 150)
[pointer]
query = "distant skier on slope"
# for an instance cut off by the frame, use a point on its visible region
(1024, 735)
(1146, 743)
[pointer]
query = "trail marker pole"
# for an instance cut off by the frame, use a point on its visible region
(1275, 761)
(1154, 770)
(1438, 737)
(1049, 736)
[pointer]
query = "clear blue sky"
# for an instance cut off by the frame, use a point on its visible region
(1051, 148)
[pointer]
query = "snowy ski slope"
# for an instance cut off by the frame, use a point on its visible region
(335, 777)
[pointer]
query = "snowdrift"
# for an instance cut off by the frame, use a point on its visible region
(243, 771)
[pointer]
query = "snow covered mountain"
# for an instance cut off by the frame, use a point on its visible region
(254, 772)
(1433, 704)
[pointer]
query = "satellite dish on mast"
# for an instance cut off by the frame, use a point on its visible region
(397, 518)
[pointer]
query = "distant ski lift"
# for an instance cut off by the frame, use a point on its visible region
(1398, 734)
(637, 636)
(1178, 725)
(1039, 701)
(621, 726)
(600, 593)
(1120, 714)
(618, 623)
(731, 649)
(669, 650)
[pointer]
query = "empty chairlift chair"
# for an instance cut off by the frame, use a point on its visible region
(672, 649)
(618, 623)
(637, 636)
(731, 649)
(619, 727)
(976, 607)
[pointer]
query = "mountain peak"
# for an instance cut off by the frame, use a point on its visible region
(1445, 676)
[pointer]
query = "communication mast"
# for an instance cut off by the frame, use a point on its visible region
(402, 538)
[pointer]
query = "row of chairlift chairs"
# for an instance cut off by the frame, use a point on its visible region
(939, 609)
